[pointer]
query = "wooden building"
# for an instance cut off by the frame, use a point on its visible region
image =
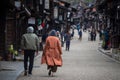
(14, 19)
(110, 10)
(17, 15)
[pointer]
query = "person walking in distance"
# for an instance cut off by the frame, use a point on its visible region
(80, 34)
(67, 40)
(52, 53)
(29, 44)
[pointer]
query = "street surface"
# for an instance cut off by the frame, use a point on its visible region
(82, 62)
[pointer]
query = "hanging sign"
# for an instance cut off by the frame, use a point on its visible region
(41, 2)
(31, 20)
(56, 12)
(18, 4)
(47, 4)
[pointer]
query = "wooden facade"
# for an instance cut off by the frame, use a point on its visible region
(13, 24)
(14, 21)
(111, 11)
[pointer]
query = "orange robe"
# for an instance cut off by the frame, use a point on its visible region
(52, 52)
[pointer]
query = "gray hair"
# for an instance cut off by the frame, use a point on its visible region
(30, 29)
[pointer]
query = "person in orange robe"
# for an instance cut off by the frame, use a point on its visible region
(52, 53)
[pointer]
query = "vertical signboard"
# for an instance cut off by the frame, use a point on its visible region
(47, 4)
(55, 12)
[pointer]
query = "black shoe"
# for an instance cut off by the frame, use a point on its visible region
(30, 73)
(49, 73)
(25, 73)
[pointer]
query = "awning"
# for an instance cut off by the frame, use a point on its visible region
(62, 7)
(63, 3)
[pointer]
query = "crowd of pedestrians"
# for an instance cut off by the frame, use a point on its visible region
(52, 49)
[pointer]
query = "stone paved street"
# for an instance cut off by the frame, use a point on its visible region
(82, 62)
(10, 70)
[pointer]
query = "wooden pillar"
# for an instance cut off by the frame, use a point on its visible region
(3, 8)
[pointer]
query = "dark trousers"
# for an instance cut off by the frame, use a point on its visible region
(67, 45)
(29, 55)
